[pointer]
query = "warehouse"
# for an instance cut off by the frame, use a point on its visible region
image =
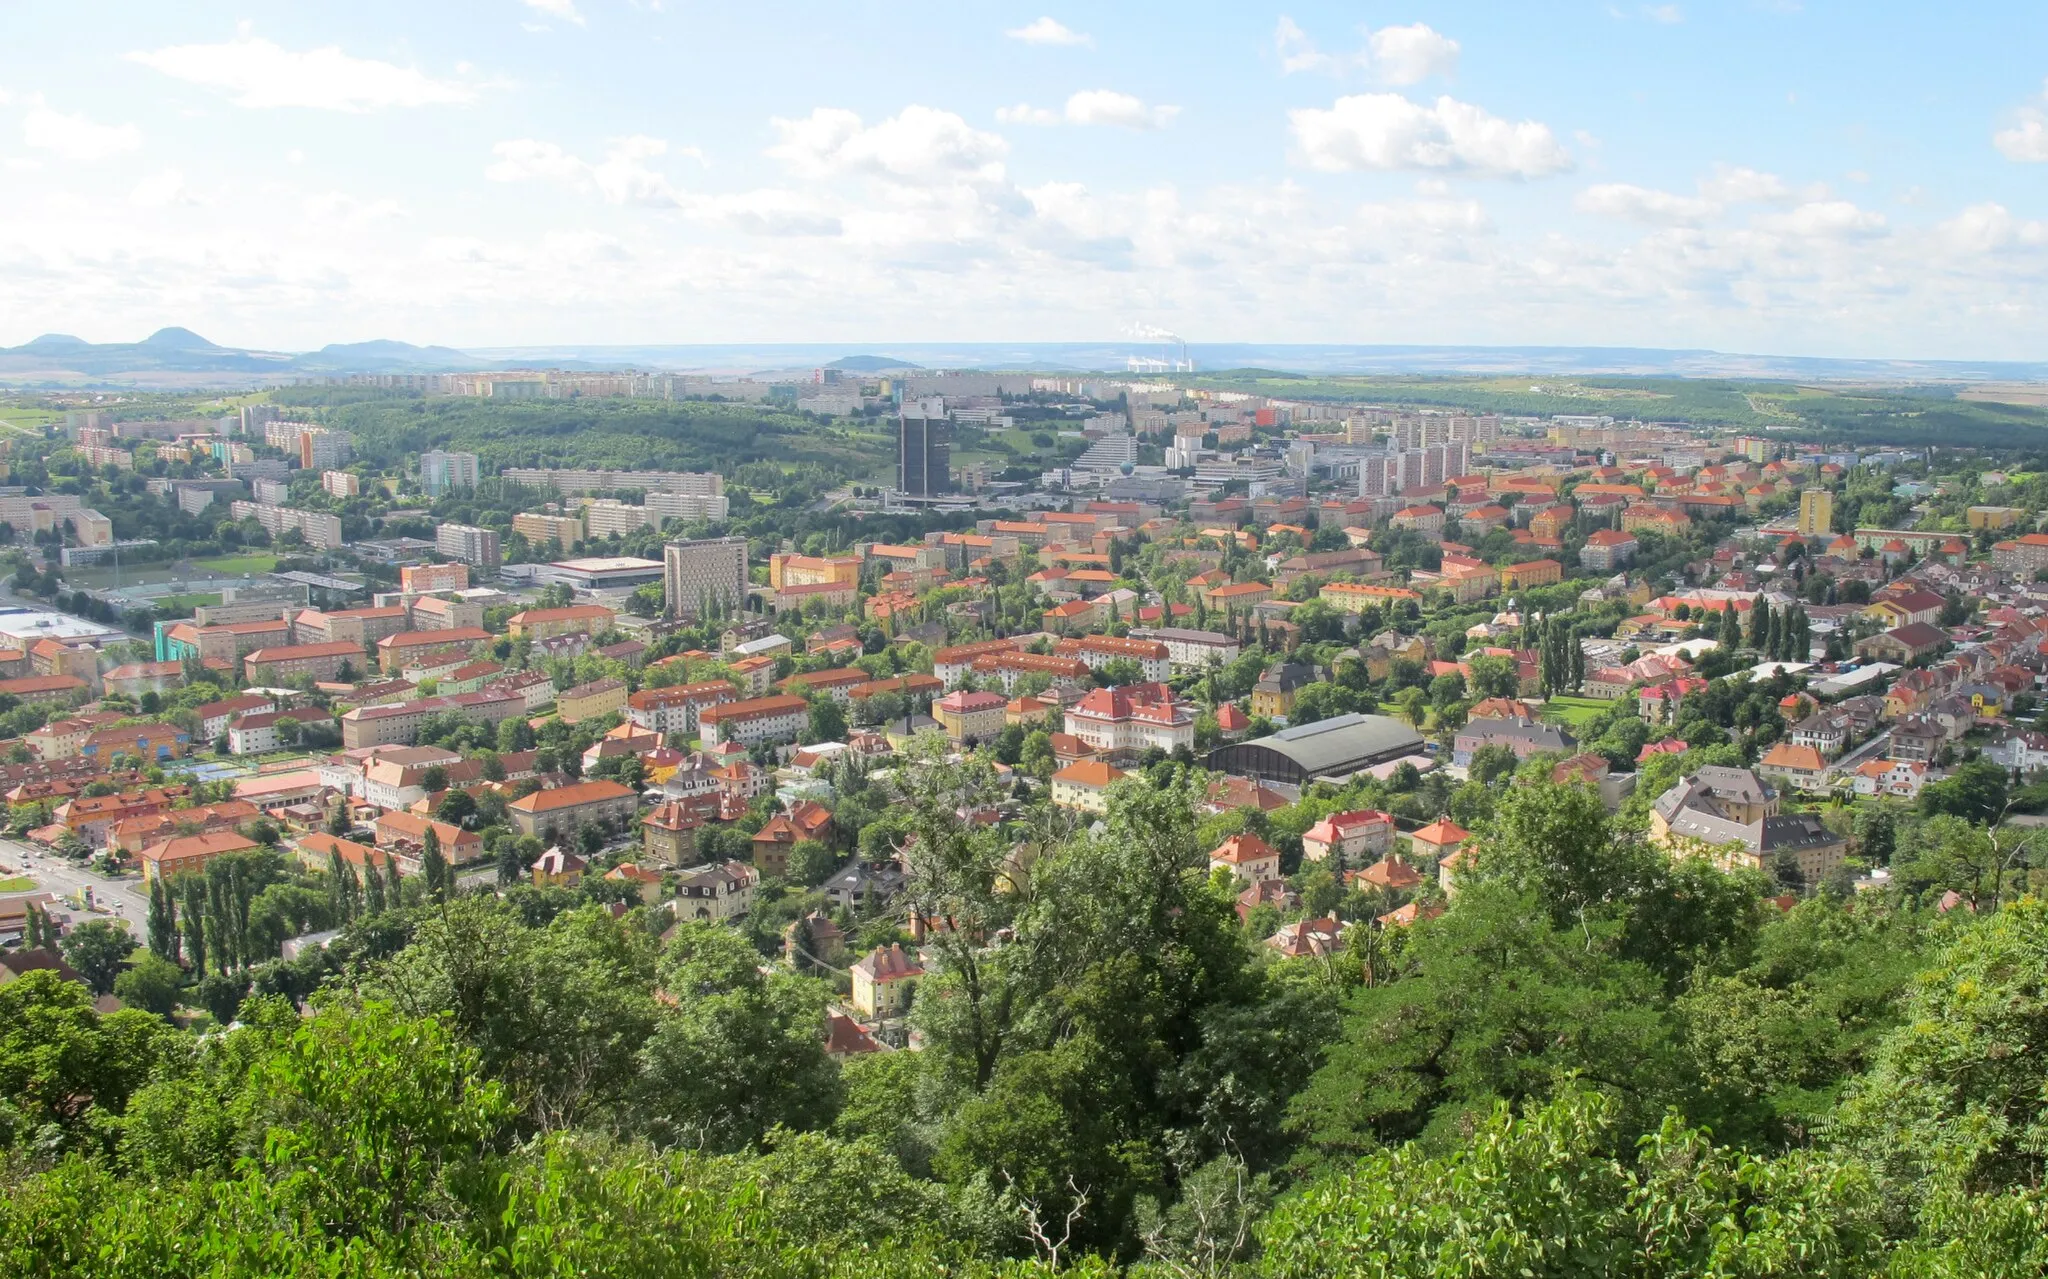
(1330, 748)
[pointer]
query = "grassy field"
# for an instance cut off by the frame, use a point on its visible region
(184, 603)
(251, 563)
(17, 884)
(1574, 712)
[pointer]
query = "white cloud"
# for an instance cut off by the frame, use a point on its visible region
(74, 137)
(2026, 141)
(621, 177)
(1387, 131)
(1093, 106)
(566, 10)
(162, 190)
(1412, 54)
(1106, 106)
(1989, 227)
(1025, 113)
(1396, 55)
(258, 73)
(1825, 219)
(1643, 204)
(1735, 185)
(1670, 14)
(1048, 31)
(918, 145)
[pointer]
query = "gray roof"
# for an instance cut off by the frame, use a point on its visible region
(1341, 744)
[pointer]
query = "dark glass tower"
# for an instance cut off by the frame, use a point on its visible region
(924, 454)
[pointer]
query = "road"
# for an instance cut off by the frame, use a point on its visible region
(121, 898)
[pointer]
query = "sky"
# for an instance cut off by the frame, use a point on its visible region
(1796, 177)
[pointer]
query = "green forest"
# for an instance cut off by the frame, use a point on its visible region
(1909, 417)
(1597, 1061)
(692, 435)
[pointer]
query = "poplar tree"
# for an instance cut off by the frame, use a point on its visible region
(163, 922)
(434, 867)
(195, 924)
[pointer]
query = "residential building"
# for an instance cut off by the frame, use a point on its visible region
(573, 619)
(185, 853)
(884, 982)
(778, 718)
(1356, 597)
(1273, 696)
(427, 579)
(674, 709)
(396, 652)
(700, 573)
(589, 701)
(399, 724)
(317, 662)
(724, 891)
(1608, 549)
(1800, 767)
(321, 532)
(1734, 817)
(541, 530)
(1084, 786)
(1345, 839)
(560, 812)
(1190, 650)
(1816, 513)
(805, 819)
(1523, 737)
(1544, 572)
(340, 484)
(1251, 859)
(969, 718)
(1125, 722)
(1904, 645)
(1151, 657)
(257, 733)
(669, 833)
(478, 547)
(442, 473)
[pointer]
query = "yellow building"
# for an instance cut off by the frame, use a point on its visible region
(539, 530)
(811, 570)
(1994, 517)
(588, 701)
(1816, 512)
(1514, 577)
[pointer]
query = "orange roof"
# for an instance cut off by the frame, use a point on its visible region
(543, 801)
(1092, 773)
(1242, 848)
(1441, 832)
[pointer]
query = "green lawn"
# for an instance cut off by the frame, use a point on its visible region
(251, 563)
(1574, 712)
(184, 603)
(17, 884)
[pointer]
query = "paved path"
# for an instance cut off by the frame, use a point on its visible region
(118, 898)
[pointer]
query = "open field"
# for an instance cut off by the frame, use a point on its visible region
(1574, 712)
(184, 603)
(251, 563)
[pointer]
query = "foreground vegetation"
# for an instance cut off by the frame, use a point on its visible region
(1596, 1062)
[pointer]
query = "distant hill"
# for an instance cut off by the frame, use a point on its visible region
(180, 355)
(870, 364)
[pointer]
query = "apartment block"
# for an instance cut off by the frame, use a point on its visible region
(322, 532)
(475, 546)
(540, 530)
(340, 484)
(446, 472)
(697, 573)
(569, 483)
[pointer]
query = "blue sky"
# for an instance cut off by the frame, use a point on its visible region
(1755, 175)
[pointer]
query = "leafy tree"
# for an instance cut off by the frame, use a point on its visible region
(151, 984)
(827, 720)
(97, 950)
(434, 867)
(738, 1053)
(1492, 762)
(1975, 792)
